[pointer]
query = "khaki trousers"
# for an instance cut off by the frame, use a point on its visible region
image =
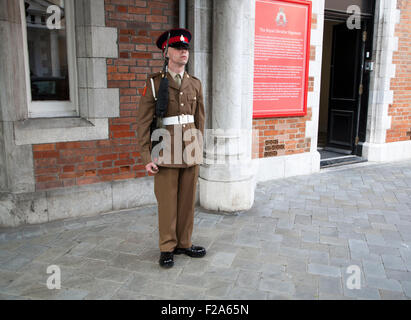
(175, 190)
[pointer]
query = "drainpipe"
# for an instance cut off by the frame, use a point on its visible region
(182, 10)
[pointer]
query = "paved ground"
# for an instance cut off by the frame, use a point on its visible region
(296, 243)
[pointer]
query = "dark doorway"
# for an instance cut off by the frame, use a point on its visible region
(346, 68)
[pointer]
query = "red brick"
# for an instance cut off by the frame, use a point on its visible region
(87, 180)
(45, 154)
(107, 157)
(44, 147)
(108, 171)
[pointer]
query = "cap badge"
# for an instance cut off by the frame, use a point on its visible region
(182, 39)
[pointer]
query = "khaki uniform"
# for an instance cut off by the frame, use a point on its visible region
(175, 183)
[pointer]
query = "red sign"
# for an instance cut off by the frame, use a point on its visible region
(282, 55)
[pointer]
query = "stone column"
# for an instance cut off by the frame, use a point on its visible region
(387, 15)
(16, 163)
(226, 180)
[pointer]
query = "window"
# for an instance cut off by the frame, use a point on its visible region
(48, 32)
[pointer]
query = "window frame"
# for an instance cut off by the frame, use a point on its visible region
(52, 109)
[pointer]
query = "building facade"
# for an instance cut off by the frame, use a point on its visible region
(72, 73)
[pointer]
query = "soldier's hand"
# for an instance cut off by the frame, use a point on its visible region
(152, 168)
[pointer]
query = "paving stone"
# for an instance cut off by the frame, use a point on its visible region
(324, 270)
(18, 285)
(223, 259)
(247, 279)
(31, 251)
(246, 264)
(330, 286)
(306, 292)
(374, 269)
(188, 292)
(50, 255)
(69, 260)
(136, 283)
(272, 270)
(238, 293)
(102, 290)
(190, 280)
(123, 261)
(398, 275)
(82, 249)
(302, 219)
(15, 263)
(406, 285)
(222, 273)
(113, 274)
(277, 286)
(293, 252)
(333, 241)
(279, 296)
(375, 249)
(319, 257)
(71, 294)
(339, 252)
(101, 254)
(308, 236)
(358, 246)
(124, 294)
(12, 297)
(386, 284)
(364, 293)
(326, 296)
(79, 281)
(40, 292)
(218, 288)
(393, 262)
(391, 295)
(296, 264)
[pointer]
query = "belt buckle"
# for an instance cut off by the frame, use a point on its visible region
(182, 119)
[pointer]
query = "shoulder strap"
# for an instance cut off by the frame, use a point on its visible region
(153, 89)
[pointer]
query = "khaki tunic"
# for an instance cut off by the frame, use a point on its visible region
(186, 100)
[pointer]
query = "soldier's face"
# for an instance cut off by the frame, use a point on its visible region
(178, 56)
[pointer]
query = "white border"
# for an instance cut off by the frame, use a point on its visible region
(306, 66)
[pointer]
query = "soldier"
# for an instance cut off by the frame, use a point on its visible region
(175, 179)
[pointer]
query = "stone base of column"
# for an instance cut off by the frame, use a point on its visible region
(227, 188)
(226, 196)
(395, 151)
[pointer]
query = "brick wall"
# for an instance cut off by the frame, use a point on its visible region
(139, 23)
(284, 136)
(400, 110)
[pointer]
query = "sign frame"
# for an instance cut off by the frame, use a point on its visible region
(282, 114)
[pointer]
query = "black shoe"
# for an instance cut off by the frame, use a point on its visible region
(166, 259)
(193, 252)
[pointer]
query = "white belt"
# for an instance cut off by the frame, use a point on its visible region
(183, 119)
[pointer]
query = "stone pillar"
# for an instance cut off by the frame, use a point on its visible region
(16, 163)
(226, 180)
(387, 15)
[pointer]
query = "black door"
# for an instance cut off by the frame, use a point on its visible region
(344, 87)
